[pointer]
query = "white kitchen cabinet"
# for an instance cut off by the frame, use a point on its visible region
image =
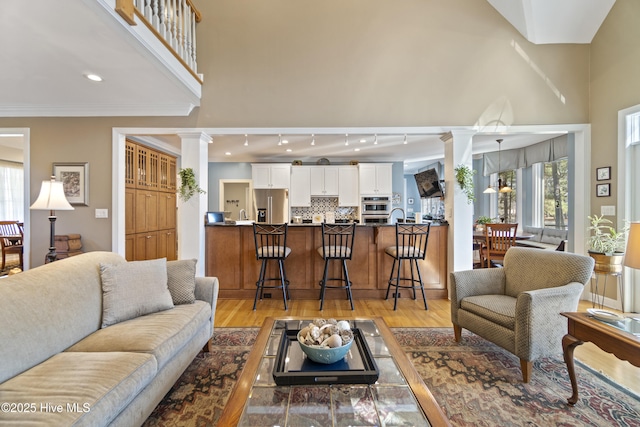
(271, 175)
(348, 189)
(375, 178)
(300, 191)
(324, 180)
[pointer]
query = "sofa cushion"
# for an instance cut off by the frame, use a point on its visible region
(181, 279)
(553, 236)
(162, 334)
(46, 309)
(536, 232)
(500, 309)
(134, 289)
(85, 389)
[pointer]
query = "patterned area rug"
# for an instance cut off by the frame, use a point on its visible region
(476, 383)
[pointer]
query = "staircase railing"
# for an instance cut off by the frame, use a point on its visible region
(172, 21)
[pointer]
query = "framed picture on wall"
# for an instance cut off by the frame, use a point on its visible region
(603, 174)
(75, 181)
(603, 190)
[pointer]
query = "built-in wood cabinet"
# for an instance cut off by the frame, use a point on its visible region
(375, 179)
(231, 256)
(271, 175)
(150, 203)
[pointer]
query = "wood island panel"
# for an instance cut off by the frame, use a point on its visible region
(230, 256)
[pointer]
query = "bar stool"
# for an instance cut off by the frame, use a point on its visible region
(411, 244)
(337, 245)
(271, 245)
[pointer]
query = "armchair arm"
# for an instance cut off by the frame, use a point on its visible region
(539, 325)
(486, 281)
(207, 290)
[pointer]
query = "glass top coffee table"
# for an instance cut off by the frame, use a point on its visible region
(398, 397)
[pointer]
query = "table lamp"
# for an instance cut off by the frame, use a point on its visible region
(51, 199)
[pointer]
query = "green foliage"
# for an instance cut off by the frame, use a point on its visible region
(484, 220)
(605, 239)
(188, 184)
(464, 177)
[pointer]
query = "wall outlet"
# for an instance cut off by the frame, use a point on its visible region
(608, 210)
(102, 213)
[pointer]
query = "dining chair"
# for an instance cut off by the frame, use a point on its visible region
(499, 238)
(11, 237)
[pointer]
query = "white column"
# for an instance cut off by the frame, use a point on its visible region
(191, 239)
(458, 212)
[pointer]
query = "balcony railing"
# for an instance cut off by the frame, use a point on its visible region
(172, 21)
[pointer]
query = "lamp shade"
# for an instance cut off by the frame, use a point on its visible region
(52, 197)
(632, 254)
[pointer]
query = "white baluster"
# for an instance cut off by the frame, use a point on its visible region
(193, 45)
(147, 10)
(154, 18)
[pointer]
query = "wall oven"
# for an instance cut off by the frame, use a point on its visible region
(375, 210)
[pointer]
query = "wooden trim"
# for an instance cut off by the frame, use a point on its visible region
(196, 12)
(167, 45)
(126, 10)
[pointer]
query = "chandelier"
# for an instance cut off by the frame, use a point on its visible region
(498, 188)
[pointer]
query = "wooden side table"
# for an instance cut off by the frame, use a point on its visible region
(617, 340)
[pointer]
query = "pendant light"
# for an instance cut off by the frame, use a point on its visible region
(499, 188)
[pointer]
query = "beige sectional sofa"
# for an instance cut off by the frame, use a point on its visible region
(545, 238)
(77, 349)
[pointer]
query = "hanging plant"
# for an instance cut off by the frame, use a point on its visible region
(464, 177)
(188, 184)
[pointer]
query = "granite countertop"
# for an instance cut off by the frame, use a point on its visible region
(308, 224)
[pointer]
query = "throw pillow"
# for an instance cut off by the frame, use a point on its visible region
(181, 278)
(133, 289)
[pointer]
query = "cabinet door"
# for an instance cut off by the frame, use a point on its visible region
(367, 179)
(130, 169)
(280, 176)
(129, 211)
(146, 246)
(348, 193)
(167, 245)
(299, 194)
(384, 176)
(261, 176)
(317, 180)
(146, 211)
(166, 211)
(130, 247)
(331, 187)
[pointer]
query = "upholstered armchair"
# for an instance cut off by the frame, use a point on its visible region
(518, 307)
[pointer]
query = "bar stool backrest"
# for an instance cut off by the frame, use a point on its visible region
(270, 240)
(337, 240)
(411, 240)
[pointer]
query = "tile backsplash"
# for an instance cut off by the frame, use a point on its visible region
(321, 205)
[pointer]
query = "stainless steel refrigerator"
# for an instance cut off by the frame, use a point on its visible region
(274, 202)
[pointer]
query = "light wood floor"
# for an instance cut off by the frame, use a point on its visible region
(410, 313)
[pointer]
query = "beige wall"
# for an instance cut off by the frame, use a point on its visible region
(302, 63)
(615, 85)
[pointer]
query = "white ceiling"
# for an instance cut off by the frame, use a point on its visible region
(48, 47)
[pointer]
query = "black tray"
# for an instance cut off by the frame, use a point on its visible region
(292, 367)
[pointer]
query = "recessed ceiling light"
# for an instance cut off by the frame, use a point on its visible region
(93, 77)
(363, 140)
(285, 141)
(356, 149)
(289, 150)
(227, 153)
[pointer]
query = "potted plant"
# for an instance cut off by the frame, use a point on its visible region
(606, 244)
(464, 177)
(482, 221)
(188, 184)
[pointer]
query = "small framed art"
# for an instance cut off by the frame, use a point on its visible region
(603, 174)
(603, 190)
(75, 181)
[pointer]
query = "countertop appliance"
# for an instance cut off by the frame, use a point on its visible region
(376, 209)
(271, 205)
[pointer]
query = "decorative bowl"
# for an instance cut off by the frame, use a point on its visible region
(325, 355)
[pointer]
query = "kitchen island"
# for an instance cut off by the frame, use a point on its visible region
(231, 256)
